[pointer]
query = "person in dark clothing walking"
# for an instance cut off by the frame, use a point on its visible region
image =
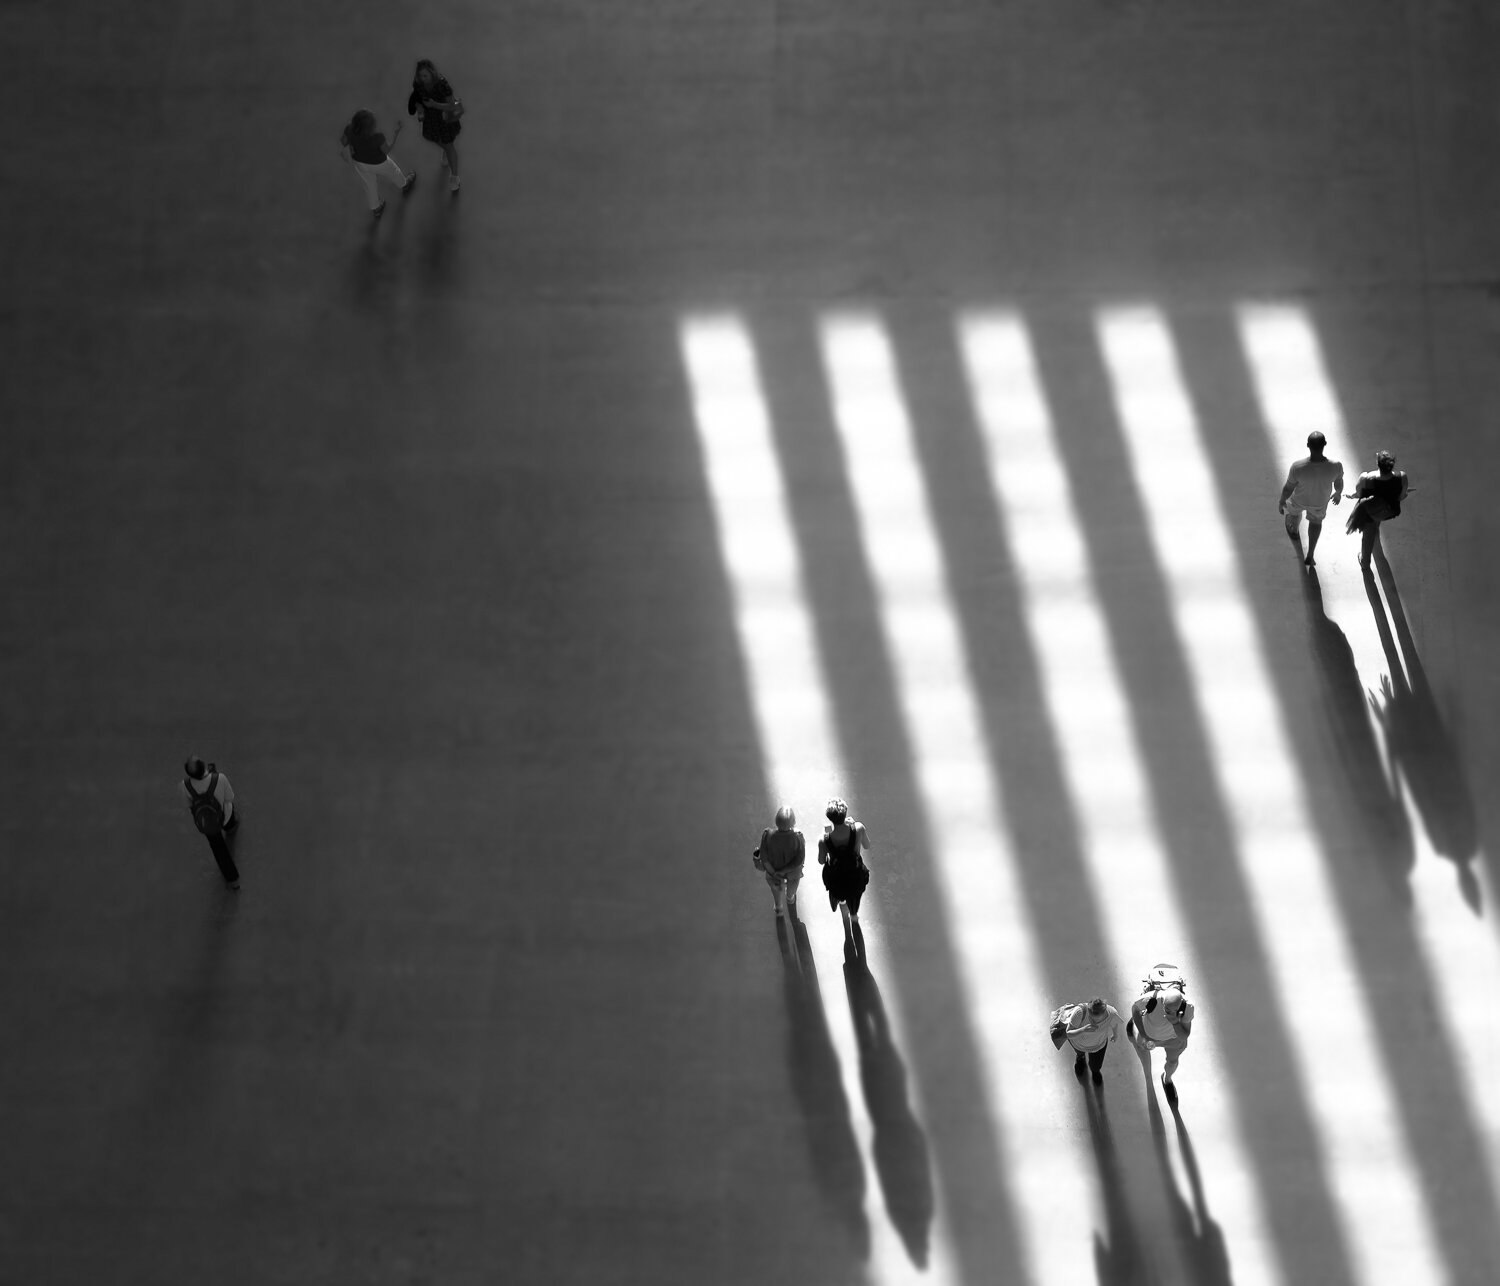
(370, 155)
(1378, 496)
(211, 800)
(434, 103)
(845, 874)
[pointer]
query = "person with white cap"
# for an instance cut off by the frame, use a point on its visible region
(1162, 1018)
(780, 856)
(1090, 1028)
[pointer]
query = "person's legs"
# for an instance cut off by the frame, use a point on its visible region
(793, 879)
(1174, 1050)
(1314, 530)
(1096, 1059)
(367, 175)
(1293, 520)
(1367, 539)
(450, 157)
(852, 902)
(220, 847)
(777, 891)
(1080, 1064)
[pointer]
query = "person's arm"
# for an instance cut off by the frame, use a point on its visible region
(823, 847)
(1338, 482)
(1286, 492)
(1405, 485)
(412, 104)
(225, 792)
(863, 836)
(395, 134)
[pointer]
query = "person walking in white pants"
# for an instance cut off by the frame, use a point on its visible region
(369, 153)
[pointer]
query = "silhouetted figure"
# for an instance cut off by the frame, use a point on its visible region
(1119, 1258)
(1162, 1018)
(366, 149)
(1306, 490)
(901, 1158)
(819, 1088)
(1379, 494)
(1090, 1028)
(1375, 795)
(780, 855)
(841, 855)
(1419, 740)
(211, 801)
(433, 102)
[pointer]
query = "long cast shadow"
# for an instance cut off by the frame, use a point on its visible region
(1419, 739)
(818, 1087)
(1199, 1238)
(979, 1207)
(1377, 807)
(900, 1145)
(1119, 1257)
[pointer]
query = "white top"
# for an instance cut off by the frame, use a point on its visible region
(1313, 481)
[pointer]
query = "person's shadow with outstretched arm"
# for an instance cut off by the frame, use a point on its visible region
(1119, 1258)
(818, 1087)
(1204, 1251)
(1376, 797)
(901, 1159)
(1419, 739)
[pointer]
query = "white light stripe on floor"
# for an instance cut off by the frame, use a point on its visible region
(1462, 956)
(1101, 756)
(998, 958)
(1382, 1208)
(802, 758)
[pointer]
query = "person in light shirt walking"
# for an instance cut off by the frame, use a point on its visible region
(1090, 1028)
(780, 856)
(1162, 1018)
(1308, 485)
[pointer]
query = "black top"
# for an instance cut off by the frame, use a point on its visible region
(368, 149)
(1388, 488)
(439, 92)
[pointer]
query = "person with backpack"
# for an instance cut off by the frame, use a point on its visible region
(840, 854)
(211, 801)
(1162, 1018)
(369, 153)
(781, 854)
(1090, 1028)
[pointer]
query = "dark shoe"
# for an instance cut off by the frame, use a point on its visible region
(411, 182)
(1098, 1077)
(1169, 1089)
(1080, 1066)
(378, 210)
(235, 886)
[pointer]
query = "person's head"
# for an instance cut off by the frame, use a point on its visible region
(786, 817)
(195, 768)
(1385, 462)
(836, 811)
(426, 74)
(1173, 1000)
(1097, 1008)
(1316, 444)
(362, 122)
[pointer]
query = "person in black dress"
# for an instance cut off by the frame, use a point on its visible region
(1378, 496)
(434, 103)
(845, 874)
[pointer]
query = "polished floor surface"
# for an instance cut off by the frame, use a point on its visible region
(884, 399)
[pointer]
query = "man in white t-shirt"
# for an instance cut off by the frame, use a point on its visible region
(1090, 1028)
(1163, 1017)
(1309, 483)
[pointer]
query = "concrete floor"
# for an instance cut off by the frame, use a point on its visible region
(405, 526)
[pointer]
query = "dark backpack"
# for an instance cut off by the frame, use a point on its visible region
(208, 813)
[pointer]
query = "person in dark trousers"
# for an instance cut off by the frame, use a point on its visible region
(211, 800)
(434, 103)
(845, 874)
(1305, 491)
(781, 854)
(1378, 497)
(1089, 1028)
(369, 153)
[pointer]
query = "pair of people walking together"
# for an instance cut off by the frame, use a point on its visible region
(783, 851)
(433, 102)
(1162, 1018)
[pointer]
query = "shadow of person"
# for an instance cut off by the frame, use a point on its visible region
(901, 1159)
(818, 1087)
(1376, 798)
(1419, 739)
(1118, 1256)
(1204, 1252)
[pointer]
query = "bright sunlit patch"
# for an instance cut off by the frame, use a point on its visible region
(1383, 1211)
(998, 958)
(1296, 397)
(1101, 757)
(802, 756)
